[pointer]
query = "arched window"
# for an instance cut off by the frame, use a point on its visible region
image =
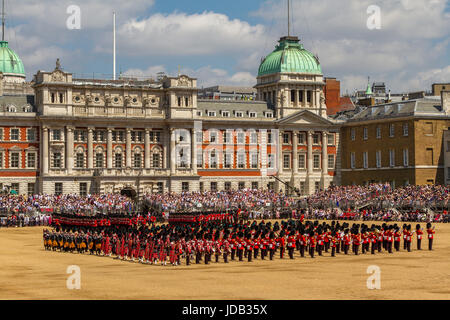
(99, 158)
(118, 158)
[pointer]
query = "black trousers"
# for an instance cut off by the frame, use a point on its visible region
(188, 257)
(419, 243)
(430, 244)
(319, 249)
(311, 252)
(255, 253)
(333, 251)
(397, 245)
(249, 256)
(291, 253)
(408, 246)
(373, 248)
(225, 257)
(272, 253)
(233, 253)
(338, 247)
(240, 255)
(281, 252)
(217, 258)
(346, 249)
(302, 250)
(356, 249)
(389, 245)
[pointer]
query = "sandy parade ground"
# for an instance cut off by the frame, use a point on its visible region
(27, 271)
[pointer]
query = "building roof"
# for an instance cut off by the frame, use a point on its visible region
(19, 102)
(10, 62)
(260, 107)
(290, 56)
(418, 107)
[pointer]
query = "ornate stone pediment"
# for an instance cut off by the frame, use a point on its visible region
(58, 76)
(183, 81)
(151, 101)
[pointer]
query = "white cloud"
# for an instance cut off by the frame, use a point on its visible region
(180, 34)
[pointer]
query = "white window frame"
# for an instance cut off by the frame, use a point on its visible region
(391, 130)
(331, 138)
(318, 166)
(352, 134)
(365, 133)
(365, 160)
(252, 114)
(300, 165)
(378, 130)
(226, 114)
(11, 134)
(211, 113)
(253, 161)
(378, 158)
(19, 160)
(28, 134)
(405, 130)
(392, 158)
(331, 161)
(352, 160)
(241, 160)
(27, 154)
(239, 114)
(405, 157)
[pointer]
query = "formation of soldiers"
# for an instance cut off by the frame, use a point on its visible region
(229, 240)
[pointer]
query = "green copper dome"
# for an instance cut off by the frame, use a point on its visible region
(10, 61)
(290, 56)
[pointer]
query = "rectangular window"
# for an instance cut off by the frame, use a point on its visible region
(118, 160)
(199, 160)
(15, 134)
(31, 134)
(56, 135)
(57, 163)
(254, 138)
(31, 160)
(316, 138)
(365, 133)
(58, 188)
(99, 160)
(316, 161)
(405, 130)
(15, 157)
(179, 101)
(80, 160)
(1, 159)
(227, 186)
(213, 159)
(160, 186)
(30, 189)
(301, 138)
(352, 134)
(252, 114)
(227, 160)
(213, 186)
(392, 158)
(286, 138)
(269, 115)
(185, 186)
(226, 114)
(241, 160)
(391, 130)
(138, 160)
(239, 114)
(1, 134)
(331, 161)
(240, 138)
(286, 161)
(212, 136)
(302, 161)
(254, 185)
(270, 138)
(211, 113)
(226, 137)
(352, 160)
(378, 158)
(254, 160)
(186, 102)
(378, 132)
(308, 96)
(405, 157)
(330, 138)
(365, 160)
(241, 185)
(83, 189)
(156, 160)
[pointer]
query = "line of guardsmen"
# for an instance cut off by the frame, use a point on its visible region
(202, 242)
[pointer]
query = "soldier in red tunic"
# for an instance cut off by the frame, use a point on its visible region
(312, 243)
(397, 238)
(291, 244)
(430, 232)
(419, 233)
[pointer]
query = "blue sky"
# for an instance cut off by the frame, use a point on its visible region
(222, 42)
